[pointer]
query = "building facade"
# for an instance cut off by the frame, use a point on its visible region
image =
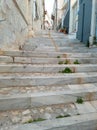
(84, 20)
(61, 14)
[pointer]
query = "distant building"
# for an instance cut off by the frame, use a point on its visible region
(61, 14)
(38, 13)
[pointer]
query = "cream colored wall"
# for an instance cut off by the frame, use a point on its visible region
(14, 30)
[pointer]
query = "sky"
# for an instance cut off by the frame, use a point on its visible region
(49, 6)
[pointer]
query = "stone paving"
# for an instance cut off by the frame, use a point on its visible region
(33, 86)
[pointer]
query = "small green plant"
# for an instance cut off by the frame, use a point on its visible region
(30, 121)
(60, 116)
(76, 62)
(60, 62)
(39, 119)
(79, 100)
(66, 70)
(35, 120)
(58, 57)
(66, 62)
(78, 114)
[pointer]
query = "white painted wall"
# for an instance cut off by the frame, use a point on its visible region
(93, 21)
(14, 30)
(74, 5)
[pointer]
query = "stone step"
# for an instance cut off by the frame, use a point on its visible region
(47, 68)
(62, 111)
(79, 122)
(54, 60)
(42, 89)
(38, 99)
(67, 48)
(46, 54)
(30, 60)
(21, 80)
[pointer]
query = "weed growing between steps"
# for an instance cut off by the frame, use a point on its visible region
(63, 62)
(78, 114)
(35, 120)
(58, 57)
(60, 116)
(79, 100)
(76, 62)
(66, 70)
(66, 62)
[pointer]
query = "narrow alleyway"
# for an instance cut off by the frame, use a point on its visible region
(54, 78)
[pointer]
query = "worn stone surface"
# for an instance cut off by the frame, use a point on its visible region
(85, 122)
(35, 89)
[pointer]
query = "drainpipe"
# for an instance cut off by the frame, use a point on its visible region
(93, 23)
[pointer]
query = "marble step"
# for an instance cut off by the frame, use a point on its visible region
(7, 91)
(36, 60)
(80, 122)
(46, 54)
(49, 68)
(54, 60)
(22, 80)
(9, 119)
(67, 48)
(40, 99)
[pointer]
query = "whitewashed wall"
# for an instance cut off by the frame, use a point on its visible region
(14, 29)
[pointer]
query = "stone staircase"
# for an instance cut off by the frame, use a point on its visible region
(35, 92)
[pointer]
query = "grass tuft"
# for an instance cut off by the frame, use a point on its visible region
(76, 62)
(60, 116)
(79, 100)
